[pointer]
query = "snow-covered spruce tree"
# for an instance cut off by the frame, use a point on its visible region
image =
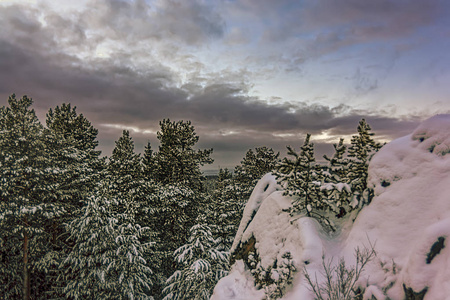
(66, 121)
(200, 266)
(177, 161)
(300, 176)
(335, 188)
(128, 182)
(148, 163)
(70, 141)
(28, 200)
(225, 209)
(124, 167)
(174, 209)
(253, 166)
(179, 195)
(361, 150)
(108, 257)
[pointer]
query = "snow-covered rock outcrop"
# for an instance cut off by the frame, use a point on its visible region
(407, 223)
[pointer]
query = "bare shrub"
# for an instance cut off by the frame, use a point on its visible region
(340, 280)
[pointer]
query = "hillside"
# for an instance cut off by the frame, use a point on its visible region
(402, 234)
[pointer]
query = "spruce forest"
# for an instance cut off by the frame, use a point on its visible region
(78, 225)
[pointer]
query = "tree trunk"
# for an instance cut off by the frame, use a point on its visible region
(26, 272)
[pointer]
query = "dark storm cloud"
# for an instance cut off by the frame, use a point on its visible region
(225, 105)
(113, 95)
(117, 95)
(115, 92)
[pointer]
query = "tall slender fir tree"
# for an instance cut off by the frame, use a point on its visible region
(361, 150)
(28, 201)
(177, 161)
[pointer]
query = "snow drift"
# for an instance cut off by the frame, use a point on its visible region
(407, 224)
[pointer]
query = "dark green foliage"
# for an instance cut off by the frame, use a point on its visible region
(28, 196)
(335, 188)
(108, 257)
(255, 165)
(435, 249)
(273, 279)
(300, 176)
(148, 163)
(174, 209)
(339, 187)
(177, 161)
(361, 150)
(10, 264)
(66, 121)
(233, 191)
(70, 142)
(227, 204)
(125, 169)
(200, 266)
(223, 175)
(79, 226)
(223, 211)
(410, 294)
(179, 192)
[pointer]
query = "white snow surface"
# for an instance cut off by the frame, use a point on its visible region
(409, 214)
(238, 285)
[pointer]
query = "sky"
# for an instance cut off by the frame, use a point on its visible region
(247, 73)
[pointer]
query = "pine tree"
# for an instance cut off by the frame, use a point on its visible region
(300, 176)
(174, 209)
(335, 187)
(148, 163)
(70, 142)
(361, 150)
(127, 172)
(28, 200)
(254, 166)
(108, 258)
(179, 193)
(224, 174)
(124, 166)
(233, 191)
(66, 121)
(177, 161)
(226, 207)
(201, 265)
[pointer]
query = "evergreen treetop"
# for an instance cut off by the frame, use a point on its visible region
(66, 121)
(177, 161)
(361, 150)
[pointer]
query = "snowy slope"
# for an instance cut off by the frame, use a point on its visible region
(407, 223)
(411, 210)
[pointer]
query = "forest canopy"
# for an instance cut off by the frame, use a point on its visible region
(78, 225)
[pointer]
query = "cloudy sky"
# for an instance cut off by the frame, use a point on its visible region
(246, 73)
